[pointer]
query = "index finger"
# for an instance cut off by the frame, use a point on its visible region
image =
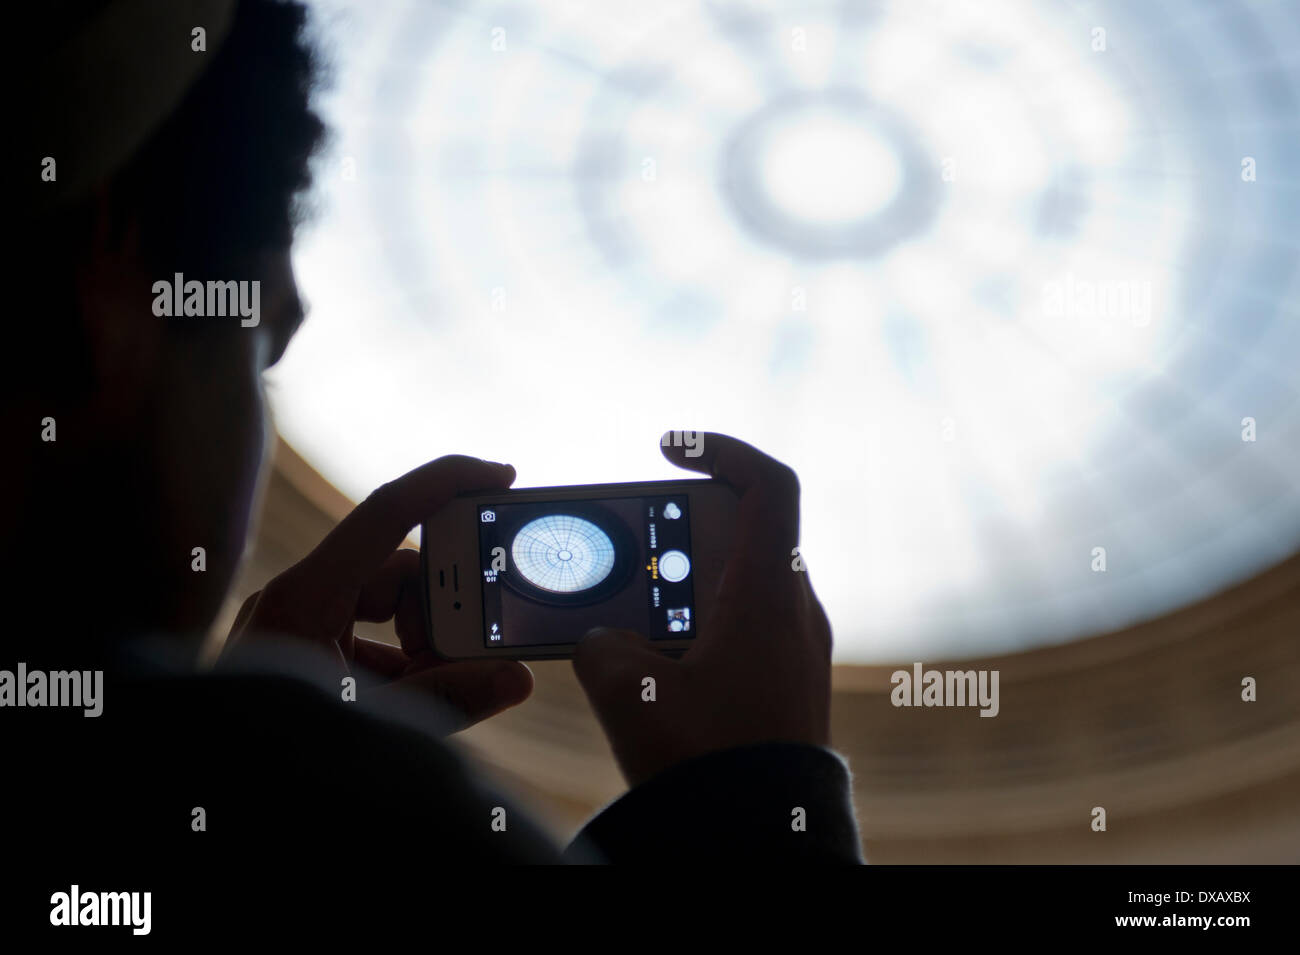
(363, 540)
(767, 525)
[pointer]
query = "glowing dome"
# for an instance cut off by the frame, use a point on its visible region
(1010, 284)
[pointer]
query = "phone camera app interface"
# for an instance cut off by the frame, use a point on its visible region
(552, 571)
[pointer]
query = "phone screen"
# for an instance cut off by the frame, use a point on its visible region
(553, 570)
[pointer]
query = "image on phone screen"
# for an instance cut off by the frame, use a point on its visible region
(553, 570)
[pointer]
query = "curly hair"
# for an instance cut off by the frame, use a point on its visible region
(228, 169)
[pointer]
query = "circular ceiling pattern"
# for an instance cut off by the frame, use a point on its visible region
(562, 554)
(1012, 284)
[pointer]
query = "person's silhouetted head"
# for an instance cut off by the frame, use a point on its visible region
(137, 407)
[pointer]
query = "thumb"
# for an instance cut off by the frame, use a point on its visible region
(472, 689)
(611, 665)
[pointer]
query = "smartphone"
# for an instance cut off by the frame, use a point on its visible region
(523, 574)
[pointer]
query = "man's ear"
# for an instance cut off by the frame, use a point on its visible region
(124, 340)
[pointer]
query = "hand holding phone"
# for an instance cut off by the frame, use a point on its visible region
(760, 669)
(360, 572)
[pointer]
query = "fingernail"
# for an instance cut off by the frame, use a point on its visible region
(595, 632)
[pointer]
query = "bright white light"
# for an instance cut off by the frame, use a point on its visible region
(674, 566)
(1043, 302)
(827, 168)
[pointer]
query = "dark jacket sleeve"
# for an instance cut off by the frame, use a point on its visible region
(739, 805)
